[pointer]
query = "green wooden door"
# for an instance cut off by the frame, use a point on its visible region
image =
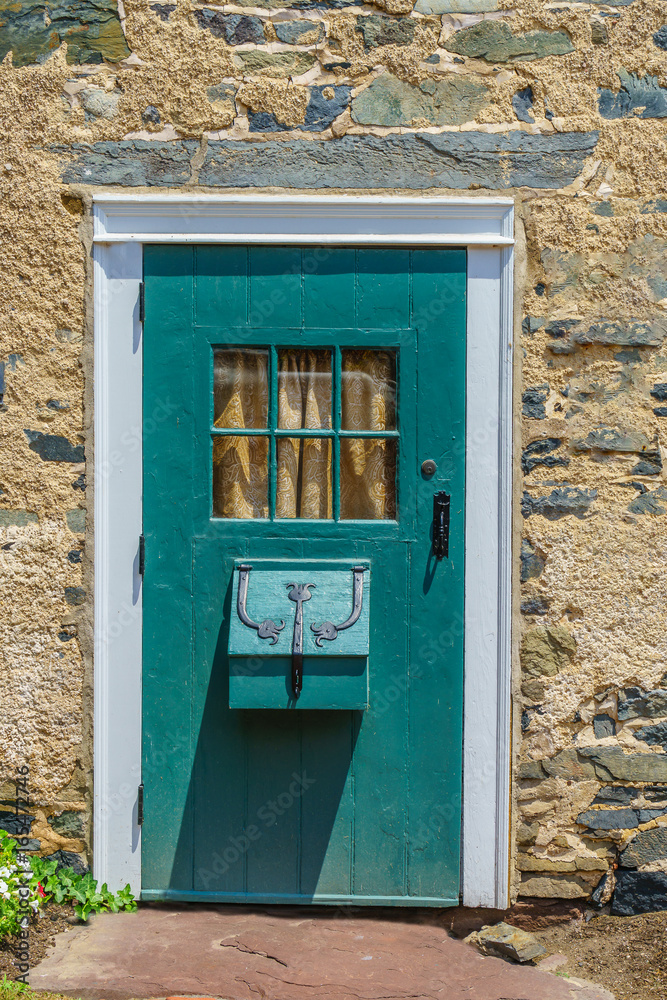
(291, 396)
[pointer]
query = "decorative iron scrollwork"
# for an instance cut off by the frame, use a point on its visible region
(328, 630)
(266, 629)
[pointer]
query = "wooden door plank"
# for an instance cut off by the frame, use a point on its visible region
(329, 288)
(275, 287)
(221, 285)
(383, 289)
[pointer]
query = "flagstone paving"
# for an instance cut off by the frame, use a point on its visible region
(286, 954)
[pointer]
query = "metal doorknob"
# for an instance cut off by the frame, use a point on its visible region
(428, 467)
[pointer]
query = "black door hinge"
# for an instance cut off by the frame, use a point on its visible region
(140, 805)
(142, 554)
(142, 301)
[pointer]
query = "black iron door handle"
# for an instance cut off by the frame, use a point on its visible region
(441, 525)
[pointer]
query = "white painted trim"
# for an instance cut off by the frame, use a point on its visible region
(301, 219)
(485, 226)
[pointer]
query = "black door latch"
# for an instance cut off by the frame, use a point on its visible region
(441, 525)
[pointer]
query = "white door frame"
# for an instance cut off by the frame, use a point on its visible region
(122, 223)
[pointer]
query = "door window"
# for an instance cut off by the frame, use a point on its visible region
(304, 433)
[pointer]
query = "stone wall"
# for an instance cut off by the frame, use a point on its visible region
(561, 105)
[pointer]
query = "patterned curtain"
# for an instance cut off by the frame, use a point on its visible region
(304, 479)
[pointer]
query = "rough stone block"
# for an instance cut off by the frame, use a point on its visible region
(620, 794)
(569, 765)
(54, 447)
(131, 163)
(389, 101)
(650, 503)
(608, 439)
(17, 517)
(495, 42)
(639, 892)
(568, 333)
(639, 97)
(68, 824)
(75, 596)
(454, 160)
(99, 103)
(33, 29)
(236, 29)
(299, 32)
(613, 762)
(535, 606)
(510, 942)
(657, 205)
(634, 703)
(540, 453)
(16, 826)
(522, 102)
(255, 62)
(163, 10)
(603, 726)
(76, 520)
(654, 735)
(533, 400)
(566, 886)
(532, 561)
(69, 859)
(456, 6)
(559, 503)
(660, 38)
(547, 649)
(609, 819)
(378, 29)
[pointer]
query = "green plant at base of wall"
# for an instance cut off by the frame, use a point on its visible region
(64, 885)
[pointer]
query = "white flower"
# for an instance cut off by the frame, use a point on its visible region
(3, 886)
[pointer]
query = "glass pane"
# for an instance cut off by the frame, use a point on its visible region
(240, 476)
(304, 389)
(368, 390)
(240, 387)
(304, 477)
(367, 479)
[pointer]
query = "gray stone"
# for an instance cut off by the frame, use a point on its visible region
(456, 6)
(647, 815)
(650, 464)
(648, 846)
(522, 102)
(54, 447)
(75, 596)
(68, 824)
(657, 793)
(532, 770)
(657, 205)
(639, 97)
(650, 503)
(236, 29)
(568, 333)
(603, 726)
(76, 520)
(614, 763)
(74, 555)
(609, 819)
(599, 33)
(299, 32)
(603, 890)
(619, 794)
(453, 160)
(634, 703)
(99, 103)
(535, 606)
(17, 517)
(150, 115)
(533, 400)
(659, 391)
(69, 859)
(608, 439)
(55, 404)
(660, 38)
(163, 10)
(540, 453)
(378, 29)
(654, 735)
(639, 892)
(570, 765)
(258, 62)
(510, 942)
(495, 42)
(131, 163)
(33, 29)
(389, 101)
(16, 825)
(604, 209)
(559, 503)
(531, 324)
(321, 111)
(532, 561)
